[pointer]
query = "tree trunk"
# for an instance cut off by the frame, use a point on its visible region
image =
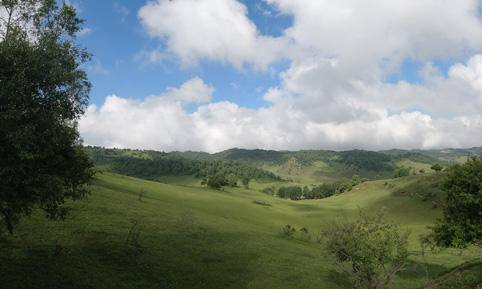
(9, 21)
(7, 219)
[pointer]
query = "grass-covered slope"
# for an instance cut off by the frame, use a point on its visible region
(192, 237)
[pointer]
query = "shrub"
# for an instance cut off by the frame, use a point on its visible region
(328, 190)
(288, 230)
(232, 180)
(369, 250)
(321, 191)
(436, 167)
(402, 172)
(216, 182)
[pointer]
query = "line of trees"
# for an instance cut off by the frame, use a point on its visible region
(219, 181)
(319, 192)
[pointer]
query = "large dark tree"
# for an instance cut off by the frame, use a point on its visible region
(461, 224)
(43, 92)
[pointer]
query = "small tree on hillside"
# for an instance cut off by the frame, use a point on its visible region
(369, 250)
(402, 172)
(232, 180)
(245, 182)
(217, 182)
(436, 167)
(461, 224)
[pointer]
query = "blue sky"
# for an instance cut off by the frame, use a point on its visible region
(283, 74)
(116, 39)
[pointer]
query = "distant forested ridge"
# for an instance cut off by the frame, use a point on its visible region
(253, 164)
(152, 164)
(368, 160)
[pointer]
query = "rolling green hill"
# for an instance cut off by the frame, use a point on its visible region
(192, 237)
(299, 167)
(446, 156)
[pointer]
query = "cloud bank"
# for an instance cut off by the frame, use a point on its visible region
(333, 95)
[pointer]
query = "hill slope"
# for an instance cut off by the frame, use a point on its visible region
(199, 238)
(305, 166)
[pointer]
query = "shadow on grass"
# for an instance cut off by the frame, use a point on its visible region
(421, 270)
(338, 278)
(198, 259)
(415, 273)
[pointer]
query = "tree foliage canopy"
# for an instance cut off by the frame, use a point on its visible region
(461, 224)
(43, 91)
(369, 250)
(153, 165)
(436, 167)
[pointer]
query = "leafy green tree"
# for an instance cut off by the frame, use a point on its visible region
(322, 191)
(342, 186)
(43, 92)
(217, 182)
(292, 192)
(436, 167)
(366, 160)
(356, 180)
(245, 181)
(461, 224)
(306, 192)
(369, 250)
(232, 180)
(402, 172)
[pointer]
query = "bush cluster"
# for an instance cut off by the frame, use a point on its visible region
(318, 192)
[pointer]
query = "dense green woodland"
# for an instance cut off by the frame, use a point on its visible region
(152, 165)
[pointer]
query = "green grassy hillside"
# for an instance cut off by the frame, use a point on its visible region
(191, 237)
(303, 167)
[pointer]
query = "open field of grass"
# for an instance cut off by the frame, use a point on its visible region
(192, 237)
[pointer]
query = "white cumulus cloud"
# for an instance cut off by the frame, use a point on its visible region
(209, 29)
(334, 94)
